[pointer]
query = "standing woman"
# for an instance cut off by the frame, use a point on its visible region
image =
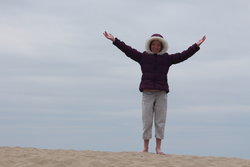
(155, 63)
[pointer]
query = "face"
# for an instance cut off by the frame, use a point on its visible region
(155, 46)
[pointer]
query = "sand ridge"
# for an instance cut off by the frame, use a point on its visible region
(33, 157)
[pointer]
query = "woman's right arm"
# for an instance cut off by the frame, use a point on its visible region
(128, 50)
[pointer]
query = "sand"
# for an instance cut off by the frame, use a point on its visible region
(33, 157)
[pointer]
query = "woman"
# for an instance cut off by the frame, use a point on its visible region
(155, 63)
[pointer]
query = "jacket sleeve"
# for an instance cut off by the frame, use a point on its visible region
(180, 57)
(128, 50)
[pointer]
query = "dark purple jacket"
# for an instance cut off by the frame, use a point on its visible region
(155, 67)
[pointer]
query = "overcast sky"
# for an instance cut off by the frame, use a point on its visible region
(64, 86)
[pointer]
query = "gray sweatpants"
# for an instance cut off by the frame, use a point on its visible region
(154, 109)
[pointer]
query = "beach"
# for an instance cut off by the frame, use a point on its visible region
(34, 157)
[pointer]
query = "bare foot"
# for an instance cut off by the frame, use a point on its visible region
(158, 151)
(145, 146)
(145, 150)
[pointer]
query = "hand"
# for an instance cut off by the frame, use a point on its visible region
(201, 40)
(109, 36)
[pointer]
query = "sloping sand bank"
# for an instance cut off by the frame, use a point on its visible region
(32, 157)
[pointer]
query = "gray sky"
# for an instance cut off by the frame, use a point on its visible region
(63, 85)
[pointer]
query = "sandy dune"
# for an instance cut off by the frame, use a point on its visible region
(32, 157)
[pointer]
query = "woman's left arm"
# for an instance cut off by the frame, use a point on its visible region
(179, 57)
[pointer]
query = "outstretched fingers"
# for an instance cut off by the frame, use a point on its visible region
(105, 34)
(108, 36)
(201, 40)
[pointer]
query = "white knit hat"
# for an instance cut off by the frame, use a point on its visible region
(157, 37)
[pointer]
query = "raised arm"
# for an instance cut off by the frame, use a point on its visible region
(128, 50)
(179, 57)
